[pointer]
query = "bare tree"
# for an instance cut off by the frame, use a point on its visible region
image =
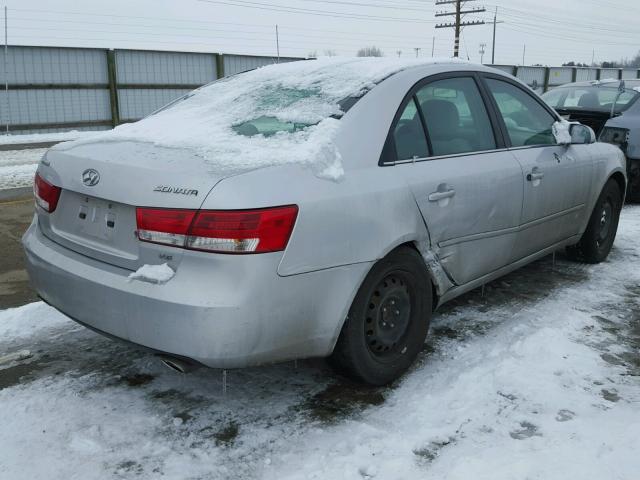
(370, 52)
(313, 54)
(330, 53)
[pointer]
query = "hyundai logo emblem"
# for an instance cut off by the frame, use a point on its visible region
(90, 177)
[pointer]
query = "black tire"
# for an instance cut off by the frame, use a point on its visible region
(633, 187)
(597, 240)
(388, 320)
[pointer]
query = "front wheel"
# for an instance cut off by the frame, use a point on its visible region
(388, 320)
(597, 240)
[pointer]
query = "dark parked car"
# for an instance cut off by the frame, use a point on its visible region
(612, 109)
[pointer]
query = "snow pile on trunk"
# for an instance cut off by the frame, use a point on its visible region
(159, 274)
(306, 92)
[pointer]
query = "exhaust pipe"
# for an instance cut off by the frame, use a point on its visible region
(178, 364)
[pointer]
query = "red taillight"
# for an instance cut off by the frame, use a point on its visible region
(47, 195)
(161, 225)
(223, 231)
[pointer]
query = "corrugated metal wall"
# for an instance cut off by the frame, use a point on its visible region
(241, 63)
(609, 73)
(53, 76)
(560, 76)
(586, 74)
(140, 67)
(532, 76)
(145, 78)
(56, 89)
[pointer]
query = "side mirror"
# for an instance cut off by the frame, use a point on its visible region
(581, 134)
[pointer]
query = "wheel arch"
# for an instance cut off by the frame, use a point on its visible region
(620, 179)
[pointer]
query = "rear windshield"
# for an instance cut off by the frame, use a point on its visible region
(593, 97)
(268, 126)
(278, 99)
(277, 103)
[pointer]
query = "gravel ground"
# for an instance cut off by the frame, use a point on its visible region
(536, 377)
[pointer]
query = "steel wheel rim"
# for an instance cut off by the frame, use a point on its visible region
(388, 316)
(605, 222)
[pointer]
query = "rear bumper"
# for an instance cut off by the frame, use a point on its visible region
(223, 311)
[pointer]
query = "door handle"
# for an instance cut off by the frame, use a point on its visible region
(440, 195)
(535, 175)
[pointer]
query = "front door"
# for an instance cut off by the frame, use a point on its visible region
(469, 192)
(555, 177)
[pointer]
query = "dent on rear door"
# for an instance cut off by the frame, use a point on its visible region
(472, 232)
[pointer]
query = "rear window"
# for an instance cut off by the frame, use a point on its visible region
(268, 126)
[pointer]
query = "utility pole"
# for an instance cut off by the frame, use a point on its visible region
(399, 52)
(482, 47)
(493, 48)
(433, 46)
(417, 49)
(524, 50)
(6, 69)
(277, 43)
(458, 24)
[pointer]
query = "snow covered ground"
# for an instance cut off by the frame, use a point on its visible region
(537, 379)
(44, 137)
(17, 167)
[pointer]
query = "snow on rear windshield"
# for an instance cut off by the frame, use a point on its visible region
(278, 114)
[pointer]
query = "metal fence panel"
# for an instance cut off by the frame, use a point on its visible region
(608, 73)
(30, 131)
(560, 75)
(44, 65)
(586, 74)
(136, 103)
(238, 63)
(505, 68)
(55, 106)
(144, 81)
(532, 76)
(241, 63)
(140, 67)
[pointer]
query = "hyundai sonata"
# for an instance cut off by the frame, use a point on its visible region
(315, 209)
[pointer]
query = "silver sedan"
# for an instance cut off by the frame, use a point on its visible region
(315, 209)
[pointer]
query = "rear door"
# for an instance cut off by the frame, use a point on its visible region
(556, 178)
(468, 189)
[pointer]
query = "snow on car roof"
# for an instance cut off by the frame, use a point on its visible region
(305, 94)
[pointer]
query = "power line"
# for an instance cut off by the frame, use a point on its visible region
(307, 11)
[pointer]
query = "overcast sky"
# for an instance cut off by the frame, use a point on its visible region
(554, 31)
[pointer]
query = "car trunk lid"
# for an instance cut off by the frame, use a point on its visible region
(102, 184)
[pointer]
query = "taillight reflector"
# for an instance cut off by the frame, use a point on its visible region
(46, 194)
(223, 231)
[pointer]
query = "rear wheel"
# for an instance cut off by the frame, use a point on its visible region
(597, 240)
(388, 320)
